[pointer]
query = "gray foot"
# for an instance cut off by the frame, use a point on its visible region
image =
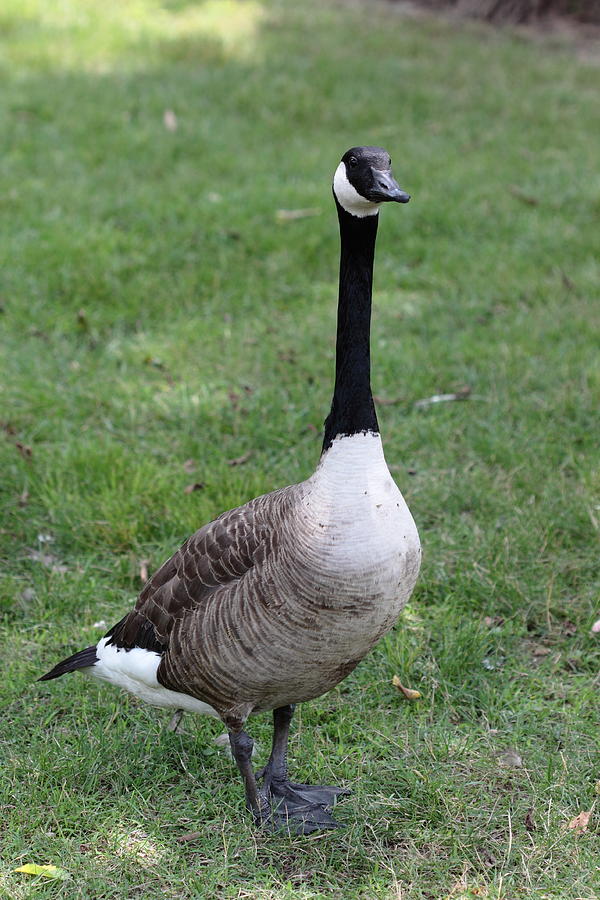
(301, 808)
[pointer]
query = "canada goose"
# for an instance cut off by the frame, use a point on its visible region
(277, 601)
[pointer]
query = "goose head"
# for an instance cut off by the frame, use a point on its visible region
(363, 180)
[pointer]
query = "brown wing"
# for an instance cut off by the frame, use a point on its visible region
(220, 553)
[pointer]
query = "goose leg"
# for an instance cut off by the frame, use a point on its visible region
(256, 800)
(300, 807)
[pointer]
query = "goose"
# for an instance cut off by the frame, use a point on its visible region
(275, 602)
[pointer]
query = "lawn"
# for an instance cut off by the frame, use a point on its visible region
(161, 316)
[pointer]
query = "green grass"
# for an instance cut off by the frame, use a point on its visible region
(154, 310)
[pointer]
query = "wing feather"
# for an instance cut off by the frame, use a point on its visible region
(218, 554)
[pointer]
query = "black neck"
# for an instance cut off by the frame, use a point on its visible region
(352, 407)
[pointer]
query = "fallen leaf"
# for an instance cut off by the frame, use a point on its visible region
(190, 836)
(144, 570)
(529, 823)
(170, 120)
(596, 627)
(580, 823)
(24, 498)
(569, 628)
(461, 394)
(520, 194)
(493, 621)
(510, 759)
(409, 693)
(196, 486)
(25, 451)
(540, 650)
(189, 466)
(567, 282)
(46, 871)
(290, 215)
(240, 460)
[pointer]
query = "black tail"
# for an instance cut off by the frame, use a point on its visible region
(80, 660)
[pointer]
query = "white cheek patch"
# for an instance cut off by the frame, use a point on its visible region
(349, 198)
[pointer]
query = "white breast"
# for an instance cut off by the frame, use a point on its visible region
(367, 530)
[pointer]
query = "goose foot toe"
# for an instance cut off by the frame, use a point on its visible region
(301, 808)
(319, 794)
(298, 817)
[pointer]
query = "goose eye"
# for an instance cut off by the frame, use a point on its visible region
(353, 162)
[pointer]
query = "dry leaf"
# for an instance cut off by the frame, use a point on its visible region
(529, 823)
(190, 836)
(46, 871)
(196, 486)
(144, 570)
(409, 693)
(170, 120)
(290, 215)
(596, 627)
(25, 451)
(189, 465)
(510, 759)
(580, 823)
(540, 650)
(493, 621)
(520, 194)
(240, 460)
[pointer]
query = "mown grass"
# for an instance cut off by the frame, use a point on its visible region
(154, 310)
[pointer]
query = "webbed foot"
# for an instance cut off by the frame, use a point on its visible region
(300, 808)
(297, 817)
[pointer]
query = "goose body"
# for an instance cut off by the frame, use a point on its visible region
(275, 602)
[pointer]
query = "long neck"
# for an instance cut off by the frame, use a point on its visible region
(352, 407)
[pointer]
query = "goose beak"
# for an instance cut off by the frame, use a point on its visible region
(385, 188)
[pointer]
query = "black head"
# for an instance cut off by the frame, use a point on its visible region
(364, 179)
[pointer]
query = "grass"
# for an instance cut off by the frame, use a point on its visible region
(155, 311)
